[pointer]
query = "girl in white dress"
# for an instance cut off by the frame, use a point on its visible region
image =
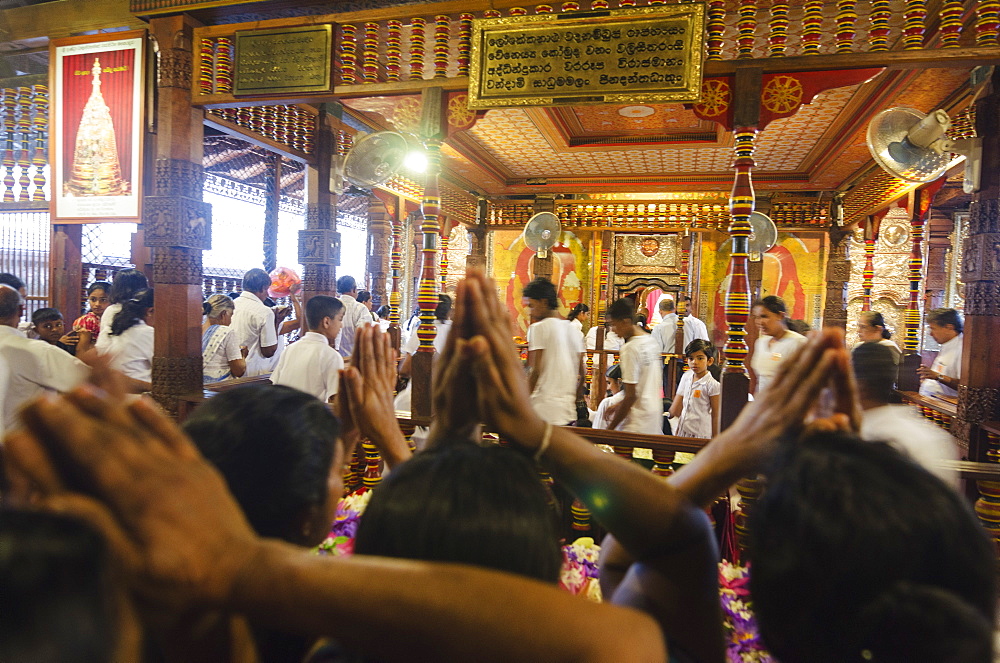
(130, 340)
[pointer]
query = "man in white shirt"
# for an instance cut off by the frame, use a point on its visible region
(311, 364)
(693, 327)
(665, 333)
(642, 408)
(33, 366)
(6, 278)
(254, 322)
(355, 314)
(554, 355)
(942, 378)
(899, 425)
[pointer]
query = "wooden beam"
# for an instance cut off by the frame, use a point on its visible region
(932, 58)
(65, 18)
(339, 92)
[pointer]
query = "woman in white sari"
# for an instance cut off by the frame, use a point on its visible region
(222, 357)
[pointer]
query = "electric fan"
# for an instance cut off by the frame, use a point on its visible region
(763, 235)
(541, 233)
(373, 160)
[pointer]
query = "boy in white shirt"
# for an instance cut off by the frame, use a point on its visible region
(555, 356)
(311, 364)
(697, 399)
(641, 409)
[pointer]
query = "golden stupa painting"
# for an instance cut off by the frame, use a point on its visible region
(96, 169)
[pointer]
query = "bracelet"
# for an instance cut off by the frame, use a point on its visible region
(546, 438)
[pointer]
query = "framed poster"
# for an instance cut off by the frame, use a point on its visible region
(97, 127)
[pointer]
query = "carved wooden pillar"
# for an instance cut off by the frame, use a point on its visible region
(67, 271)
(176, 224)
(272, 197)
(477, 238)
(979, 391)
(838, 274)
(319, 243)
(379, 250)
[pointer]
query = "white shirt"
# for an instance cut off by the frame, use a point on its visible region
(641, 366)
(441, 330)
(105, 332)
(355, 315)
(254, 325)
(32, 368)
(949, 363)
(665, 333)
(554, 397)
(601, 419)
(310, 365)
(131, 352)
(694, 328)
(612, 341)
(4, 372)
(696, 413)
(228, 350)
(907, 431)
(577, 325)
(769, 354)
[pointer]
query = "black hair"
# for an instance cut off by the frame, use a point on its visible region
(58, 601)
(700, 345)
(99, 285)
(622, 309)
(6, 278)
(126, 283)
(875, 319)
(274, 446)
(383, 311)
(946, 316)
(875, 370)
(856, 548)
(614, 372)
(44, 315)
(772, 303)
(363, 296)
(577, 310)
(256, 280)
(133, 310)
(443, 308)
(319, 307)
(346, 284)
(542, 289)
(467, 504)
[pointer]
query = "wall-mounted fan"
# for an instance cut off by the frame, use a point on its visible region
(373, 160)
(763, 235)
(913, 146)
(541, 233)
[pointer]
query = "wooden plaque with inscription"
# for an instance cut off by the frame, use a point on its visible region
(283, 60)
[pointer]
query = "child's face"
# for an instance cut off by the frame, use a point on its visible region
(50, 331)
(620, 327)
(98, 301)
(333, 325)
(699, 362)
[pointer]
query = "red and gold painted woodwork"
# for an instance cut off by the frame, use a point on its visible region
(291, 126)
(443, 264)
(868, 275)
(206, 79)
(373, 465)
(778, 35)
(847, 16)
(348, 54)
(812, 27)
(716, 27)
(396, 267)
(581, 516)
(24, 128)
(879, 15)
(431, 208)
(988, 505)
(442, 26)
(876, 192)
(622, 215)
(749, 490)
(40, 122)
(223, 75)
(23, 141)
(914, 24)
(418, 27)
(662, 461)
(10, 128)
(741, 206)
(464, 43)
(746, 26)
(369, 63)
(987, 22)
(951, 23)
(393, 49)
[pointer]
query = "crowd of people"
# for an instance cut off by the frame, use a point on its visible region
(126, 538)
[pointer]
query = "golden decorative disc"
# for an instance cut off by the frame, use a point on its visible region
(459, 114)
(782, 94)
(716, 96)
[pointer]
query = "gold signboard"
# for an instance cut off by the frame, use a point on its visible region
(283, 60)
(644, 55)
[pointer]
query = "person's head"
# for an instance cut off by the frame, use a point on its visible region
(134, 310)
(666, 306)
(219, 309)
(365, 297)
(771, 315)
(463, 503)
(539, 297)
(48, 324)
(98, 297)
(875, 371)
(442, 311)
(856, 548)
(256, 281)
(6, 278)
(126, 283)
(346, 285)
(944, 324)
(699, 355)
(11, 305)
(580, 312)
(383, 312)
(621, 317)
(61, 601)
(325, 315)
(614, 375)
(278, 450)
(871, 327)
